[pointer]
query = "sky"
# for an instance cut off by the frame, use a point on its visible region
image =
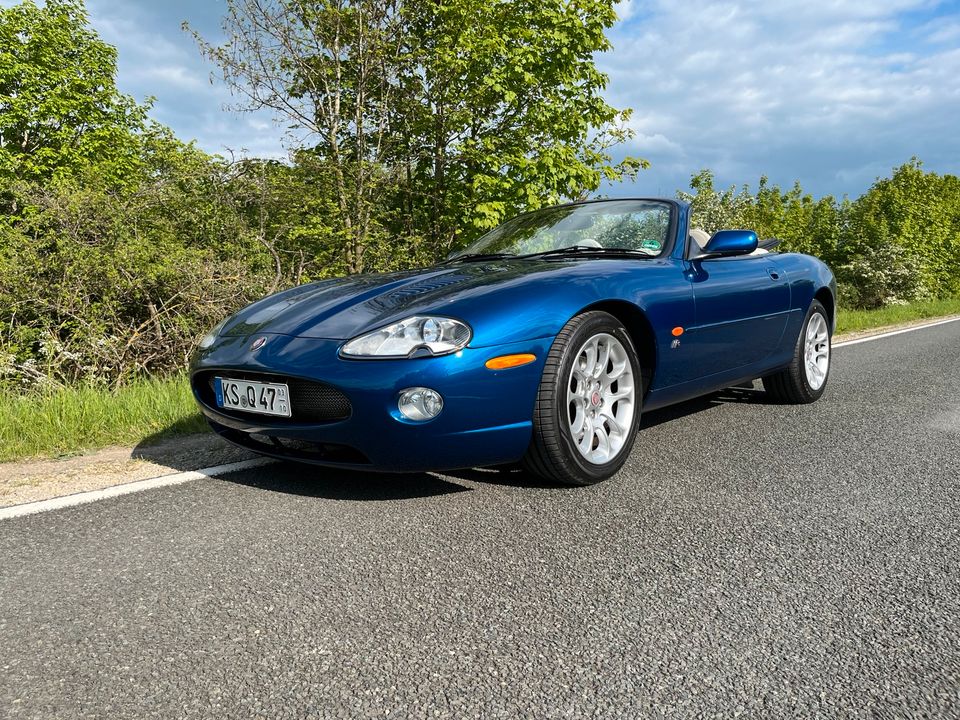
(830, 93)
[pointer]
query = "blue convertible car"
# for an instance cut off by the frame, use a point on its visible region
(542, 342)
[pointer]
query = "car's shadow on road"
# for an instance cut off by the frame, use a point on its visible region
(331, 484)
(176, 451)
(515, 476)
(506, 476)
(740, 395)
(172, 449)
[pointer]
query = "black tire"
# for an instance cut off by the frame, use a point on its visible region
(552, 454)
(791, 385)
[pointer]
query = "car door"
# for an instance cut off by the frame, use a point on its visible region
(741, 309)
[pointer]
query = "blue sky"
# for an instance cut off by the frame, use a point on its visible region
(829, 92)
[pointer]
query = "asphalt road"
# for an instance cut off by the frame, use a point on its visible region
(751, 559)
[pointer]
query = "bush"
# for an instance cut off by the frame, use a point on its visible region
(884, 274)
(101, 285)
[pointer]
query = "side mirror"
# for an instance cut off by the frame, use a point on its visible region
(726, 243)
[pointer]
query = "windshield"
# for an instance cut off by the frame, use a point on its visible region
(639, 226)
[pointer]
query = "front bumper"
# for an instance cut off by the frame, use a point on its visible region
(486, 416)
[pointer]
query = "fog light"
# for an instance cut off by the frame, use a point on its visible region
(419, 404)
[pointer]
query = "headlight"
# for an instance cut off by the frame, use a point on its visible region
(211, 337)
(412, 337)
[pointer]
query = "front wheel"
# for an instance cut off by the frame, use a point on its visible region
(804, 380)
(588, 405)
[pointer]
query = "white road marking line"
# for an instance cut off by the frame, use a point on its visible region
(81, 498)
(895, 332)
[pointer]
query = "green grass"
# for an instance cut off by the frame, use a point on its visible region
(70, 420)
(855, 320)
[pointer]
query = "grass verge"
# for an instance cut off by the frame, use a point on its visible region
(859, 320)
(70, 420)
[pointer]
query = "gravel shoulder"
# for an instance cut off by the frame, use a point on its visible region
(32, 480)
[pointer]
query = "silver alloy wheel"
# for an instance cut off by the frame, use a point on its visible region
(601, 393)
(816, 353)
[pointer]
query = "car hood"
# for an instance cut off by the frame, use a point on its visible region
(343, 308)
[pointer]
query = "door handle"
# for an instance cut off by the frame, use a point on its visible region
(774, 275)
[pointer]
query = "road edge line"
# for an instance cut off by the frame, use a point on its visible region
(89, 496)
(891, 333)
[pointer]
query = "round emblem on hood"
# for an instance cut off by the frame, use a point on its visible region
(257, 344)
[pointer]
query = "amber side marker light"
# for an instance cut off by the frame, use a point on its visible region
(508, 361)
(677, 331)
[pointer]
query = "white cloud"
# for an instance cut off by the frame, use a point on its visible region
(129, 32)
(157, 58)
(177, 76)
(941, 32)
(819, 90)
(626, 9)
(657, 142)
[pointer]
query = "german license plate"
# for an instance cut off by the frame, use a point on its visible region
(254, 397)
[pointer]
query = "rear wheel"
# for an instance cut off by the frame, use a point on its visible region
(805, 379)
(588, 405)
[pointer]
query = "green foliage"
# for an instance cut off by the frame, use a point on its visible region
(433, 121)
(60, 111)
(98, 286)
(898, 243)
(878, 275)
(714, 210)
(912, 218)
(506, 111)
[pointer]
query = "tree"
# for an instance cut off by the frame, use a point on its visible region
(430, 118)
(506, 111)
(713, 210)
(803, 224)
(918, 214)
(60, 110)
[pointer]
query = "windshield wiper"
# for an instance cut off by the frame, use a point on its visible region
(478, 257)
(587, 250)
